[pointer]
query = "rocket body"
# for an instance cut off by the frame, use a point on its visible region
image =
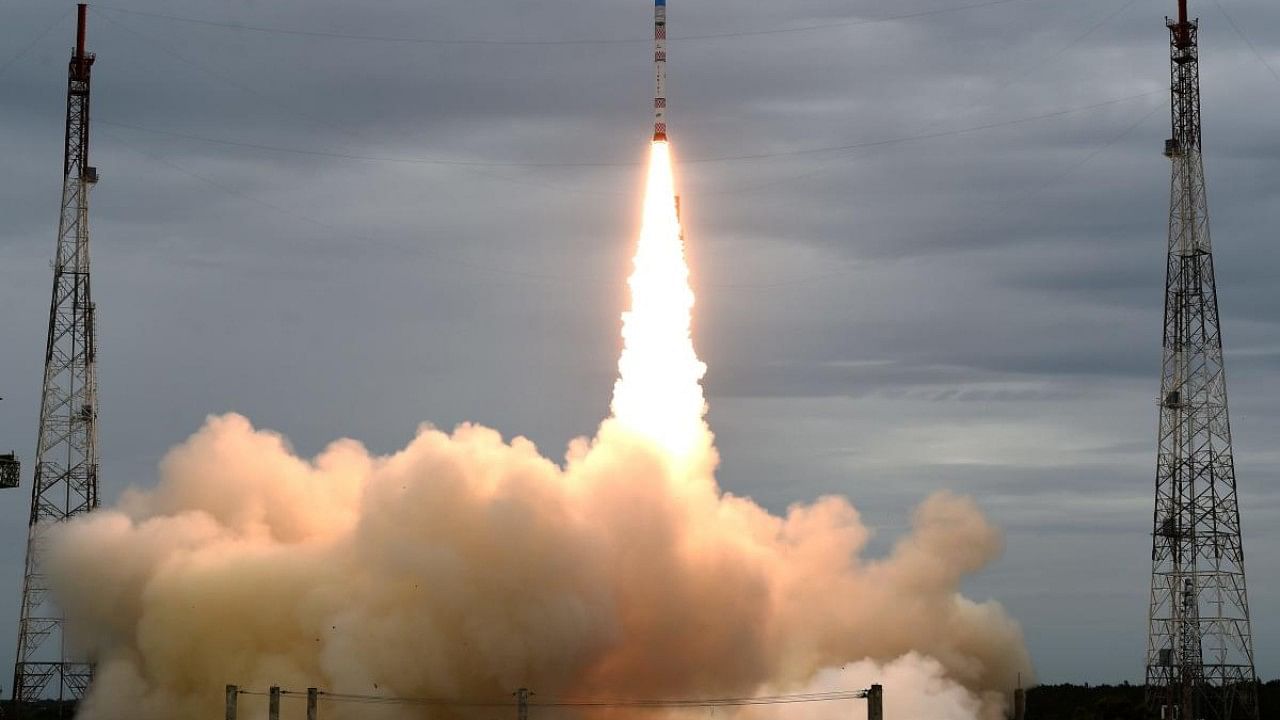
(660, 70)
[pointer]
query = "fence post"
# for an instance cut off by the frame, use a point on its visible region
(875, 703)
(522, 704)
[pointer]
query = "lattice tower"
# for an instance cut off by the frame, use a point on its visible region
(1200, 648)
(66, 466)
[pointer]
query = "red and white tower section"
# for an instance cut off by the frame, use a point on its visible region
(660, 68)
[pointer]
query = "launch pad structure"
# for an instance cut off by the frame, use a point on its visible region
(65, 480)
(1200, 648)
(10, 471)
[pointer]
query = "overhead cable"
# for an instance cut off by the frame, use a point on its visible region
(598, 702)
(587, 163)
(403, 39)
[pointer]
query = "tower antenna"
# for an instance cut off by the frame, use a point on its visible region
(1199, 646)
(65, 482)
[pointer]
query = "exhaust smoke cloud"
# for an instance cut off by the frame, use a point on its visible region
(465, 566)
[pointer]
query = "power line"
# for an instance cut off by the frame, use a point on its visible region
(479, 166)
(709, 702)
(591, 702)
(928, 135)
(1008, 82)
(22, 53)
(436, 161)
(1071, 44)
(272, 99)
(221, 76)
(1103, 147)
(1232, 22)
(286, 212)
(527, 275)
(551, 42)
(434, 253)
(567, 164)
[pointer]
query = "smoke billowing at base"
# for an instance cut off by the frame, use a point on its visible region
(465, 566)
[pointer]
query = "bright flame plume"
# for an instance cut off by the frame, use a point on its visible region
(658, 394)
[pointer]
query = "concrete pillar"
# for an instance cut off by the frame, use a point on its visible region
(1019, 704)
(313, 699)
(875, 703)
(233, 694)
(273, 704)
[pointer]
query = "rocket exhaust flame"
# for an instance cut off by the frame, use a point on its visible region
(657, 394)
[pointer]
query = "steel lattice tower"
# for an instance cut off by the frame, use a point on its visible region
(66, 466)
(1200, 647)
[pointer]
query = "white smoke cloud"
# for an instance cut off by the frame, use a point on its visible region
(917, 688)
(465, 567)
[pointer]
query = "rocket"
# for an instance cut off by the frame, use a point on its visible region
(660, 68)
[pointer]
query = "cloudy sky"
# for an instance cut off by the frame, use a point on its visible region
(928, 249)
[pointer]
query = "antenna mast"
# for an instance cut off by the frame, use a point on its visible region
(1200, 646)
(66, 465)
